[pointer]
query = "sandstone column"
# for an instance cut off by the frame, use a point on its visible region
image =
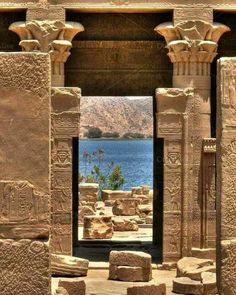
(174, 124)
(192, 46)
(65, 125)
(50, 36)
(24, 173)
(226, 177)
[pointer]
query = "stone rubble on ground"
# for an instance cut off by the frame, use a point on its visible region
(195, 276)
(62, 265)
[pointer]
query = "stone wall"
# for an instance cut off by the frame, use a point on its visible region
(226, 176)
(24, 173)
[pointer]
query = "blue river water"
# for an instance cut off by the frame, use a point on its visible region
(134, 156)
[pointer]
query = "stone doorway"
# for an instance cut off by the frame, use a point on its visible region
(120, 55)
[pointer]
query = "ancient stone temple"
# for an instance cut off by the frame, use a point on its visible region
(52, 52)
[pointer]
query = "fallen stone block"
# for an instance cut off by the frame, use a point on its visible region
(125, 207)
(130, 258)
(73, 287)
(85, 211)
(144, 210)
(209, 283)
(130, 266)
(185, 285)
(109, 203)
(145, 189)
(115, 195)
(98, 227)
(121, 224)
(192, 267)
(130, 273)
(147, 290)
(137, 190)
(149, 220)
(63, 265)
(88, 192)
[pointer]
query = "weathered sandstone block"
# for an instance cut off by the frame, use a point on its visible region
(185, 285)
(63, 265)
(130, 266)
(125, 207)
(73, 287)
(25, 267)
(147, 290)
(136, 190)
(98, 227)
(145, 189)
(192, 267)
(130, 258)
(209, 283)
(114, 195)
(144, 210)
(121, 224)
(88, 192)
(130, 273)
(85, 211)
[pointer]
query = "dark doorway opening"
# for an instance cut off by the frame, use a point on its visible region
(120, 55)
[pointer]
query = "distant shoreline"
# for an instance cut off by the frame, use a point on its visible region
(117, 139)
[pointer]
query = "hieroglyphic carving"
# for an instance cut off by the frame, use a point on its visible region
(24, 267)
(172, 124)
(209, 194)
(226, 176)
(65, 125)
(24, 173)
(189, 13)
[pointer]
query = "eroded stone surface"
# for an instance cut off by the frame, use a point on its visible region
(130, 273)
(25, 267)
(98, 227)
(65, 114)
(121, 224)
(192, 267)
(73, 287)
(185, 285)
(130, 266)
(88, 192)
(125, 207)
(63, 265)
(226, 176)
(147, 290)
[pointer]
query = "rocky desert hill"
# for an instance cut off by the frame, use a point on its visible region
(117, 114)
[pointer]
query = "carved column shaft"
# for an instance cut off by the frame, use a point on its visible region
(192, 47)
(174, 124)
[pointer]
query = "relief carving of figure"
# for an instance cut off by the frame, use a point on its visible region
(174, 193)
